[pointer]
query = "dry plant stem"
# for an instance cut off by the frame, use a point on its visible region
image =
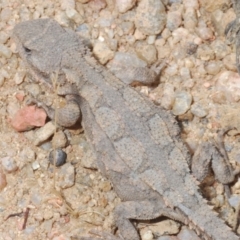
(55, 90)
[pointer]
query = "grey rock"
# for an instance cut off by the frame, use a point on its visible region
(57, 157)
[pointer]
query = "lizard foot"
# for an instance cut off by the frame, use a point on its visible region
(214, 155)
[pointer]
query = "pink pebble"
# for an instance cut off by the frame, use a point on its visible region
(28, 117)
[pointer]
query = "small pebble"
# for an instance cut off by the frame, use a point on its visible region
(6, 14)
(57, 157)
(213, 67)
(205, 33)
(151, 39)
(147, 53)
(205, 53)
(167, 238)
(35, 165)
(139, 35)
(229, 62)
(66, 176)
(5, 51)
(147, 235)
(234, 201)
(124, 5)
(59, 140)
(74, 15)
(220, 48)
(219, 201)
(174, 20)
(67, 4)
(229, 84)
(103, 52)
(165, 226)
(3, 37)
(191, 4)
(187, 234)
(185, 73)
(19, 77)
(198, 110)
(9, 164)
(190, 18)
(172, 70)
(44, 133)
(168, 96)
(182, 103)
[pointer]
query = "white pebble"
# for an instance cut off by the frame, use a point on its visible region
(124, 5)
(168, 96)
(182, 103)
(35, 165)
(19, 77)
(147, 235)
(3, 37)
(213, 67)
(9, 164)
(44, 133)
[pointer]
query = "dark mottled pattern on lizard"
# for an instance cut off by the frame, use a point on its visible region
(137, 144)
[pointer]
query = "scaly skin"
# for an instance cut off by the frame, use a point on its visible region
(137, 144)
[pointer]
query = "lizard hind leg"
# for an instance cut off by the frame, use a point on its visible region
(142, 210)
(208, 155)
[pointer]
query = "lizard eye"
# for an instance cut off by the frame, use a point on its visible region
(27, 50)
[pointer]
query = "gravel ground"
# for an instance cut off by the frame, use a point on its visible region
(199, 84)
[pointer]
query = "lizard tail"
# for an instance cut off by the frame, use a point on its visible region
(206, 223)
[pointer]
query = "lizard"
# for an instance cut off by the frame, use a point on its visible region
(137, 143)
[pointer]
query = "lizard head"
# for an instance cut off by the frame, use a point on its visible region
(41, 44)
